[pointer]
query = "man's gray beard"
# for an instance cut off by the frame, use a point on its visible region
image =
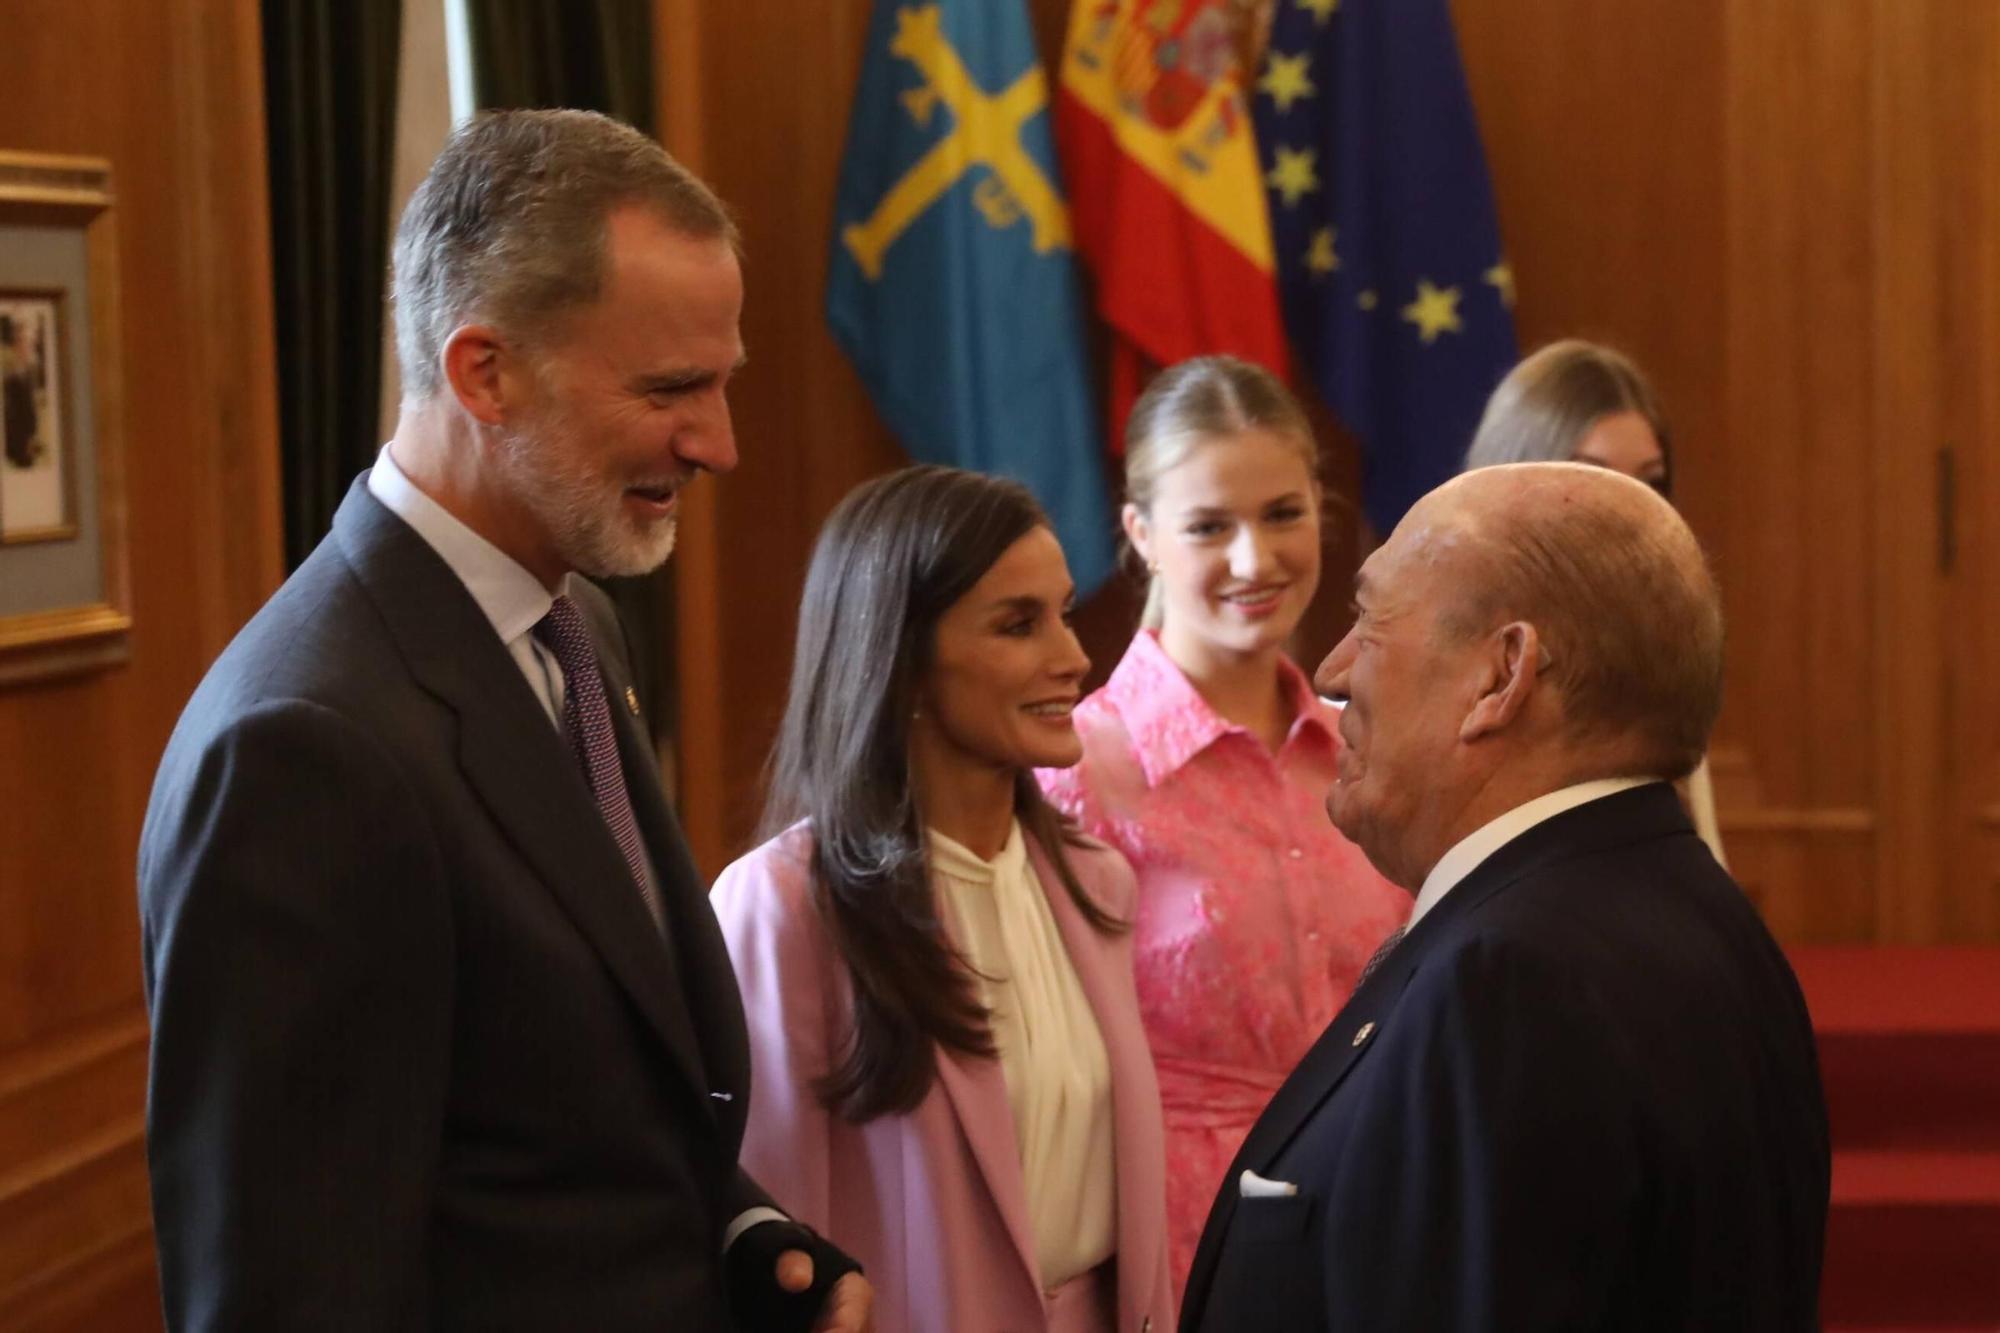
(590, 535)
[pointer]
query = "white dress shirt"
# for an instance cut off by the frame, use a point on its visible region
(1051, 1050)
(1471, 851)
(511, 598)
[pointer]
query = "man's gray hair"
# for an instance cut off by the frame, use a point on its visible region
(1627, 609)
(509, 226)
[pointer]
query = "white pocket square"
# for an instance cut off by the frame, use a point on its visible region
(1250, 1185)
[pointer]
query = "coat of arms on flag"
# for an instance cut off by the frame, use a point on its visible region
(1166, 189)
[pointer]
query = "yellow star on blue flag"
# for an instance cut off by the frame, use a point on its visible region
(1408, 327)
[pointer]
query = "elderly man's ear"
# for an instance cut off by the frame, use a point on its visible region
(1512, 660)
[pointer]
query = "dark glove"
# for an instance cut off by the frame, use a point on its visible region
(751, 1271)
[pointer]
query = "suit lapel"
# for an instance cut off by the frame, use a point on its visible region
(1633, 815)
(1339, 1049)
(697, 946)
(1322, 1070)
(516, 762)
(524, 779)
(977, 1091)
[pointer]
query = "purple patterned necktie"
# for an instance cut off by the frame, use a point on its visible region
(587, 720)
(1382, 951)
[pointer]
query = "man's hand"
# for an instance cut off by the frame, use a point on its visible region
(785, 1278)
(849, 1306)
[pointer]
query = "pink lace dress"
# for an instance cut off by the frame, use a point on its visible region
(1255, 915)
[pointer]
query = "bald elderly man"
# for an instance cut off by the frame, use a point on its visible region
(1580, 1090)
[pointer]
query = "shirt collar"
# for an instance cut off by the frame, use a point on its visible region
(953, 858)
(1473, 849)
(1170, 723)
(512, 599)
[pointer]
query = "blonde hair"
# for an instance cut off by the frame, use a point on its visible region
(1547, 405)
(1200, 402)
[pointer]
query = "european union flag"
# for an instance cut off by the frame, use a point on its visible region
(1396, 294)
(952, 285)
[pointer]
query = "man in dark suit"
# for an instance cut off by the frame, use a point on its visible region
(444, 1033)
(1581, 1091)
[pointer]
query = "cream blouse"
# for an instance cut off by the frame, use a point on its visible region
(1051, 1051)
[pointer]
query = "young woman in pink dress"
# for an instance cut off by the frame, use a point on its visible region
(949, 1072)
(1207, 760)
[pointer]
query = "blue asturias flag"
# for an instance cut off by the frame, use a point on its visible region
(1396, 294)
(952, 284)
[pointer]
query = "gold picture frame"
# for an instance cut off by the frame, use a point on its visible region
(64, 583)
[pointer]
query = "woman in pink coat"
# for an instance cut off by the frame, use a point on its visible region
(1207, 762)
(950, 1078)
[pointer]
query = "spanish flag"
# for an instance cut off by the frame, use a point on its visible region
(1167, 197)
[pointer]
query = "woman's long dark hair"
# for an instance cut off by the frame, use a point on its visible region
(893, 558)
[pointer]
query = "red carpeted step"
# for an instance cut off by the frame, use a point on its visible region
(1912, 1089)
(1920, 1178)
(1910, 1053)
(1901, 1263)
(1909, 1043)
(1900, 988)
(1913, 1237)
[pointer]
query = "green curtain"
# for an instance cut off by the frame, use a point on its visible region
(330, 111)
(596, 55)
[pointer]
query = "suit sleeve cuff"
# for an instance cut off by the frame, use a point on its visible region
(746, 1219)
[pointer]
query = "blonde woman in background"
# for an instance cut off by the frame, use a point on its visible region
(1207, 760)
(1575, 401)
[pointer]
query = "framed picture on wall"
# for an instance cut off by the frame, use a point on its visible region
(37, 485)
(64, 594)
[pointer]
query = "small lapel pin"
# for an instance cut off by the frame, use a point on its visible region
(723, 1096)
(632, 700)
(1366, 1031)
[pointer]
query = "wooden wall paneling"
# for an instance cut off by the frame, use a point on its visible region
(756, 102)
(1695, 185)
(228, 361)
(678, 42)
(112, 1290)
(172, 95)
(1603, 128)
(1910, 383)
(1966, 43)
(1796, 543)
(73, 1192)
(1603, 133)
